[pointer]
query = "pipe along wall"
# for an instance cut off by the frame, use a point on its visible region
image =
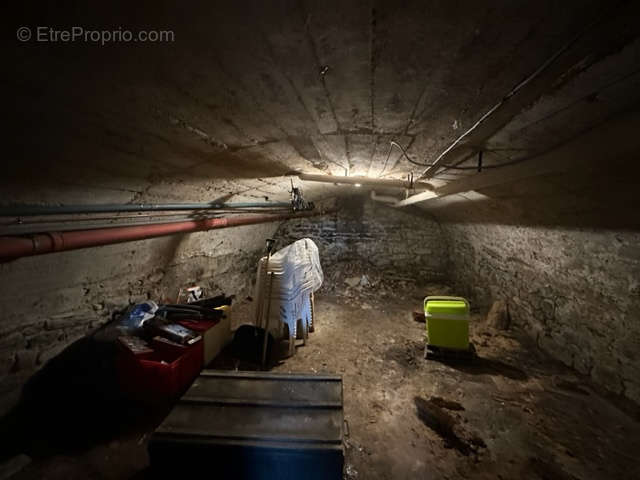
(14, 247)
(50, 301)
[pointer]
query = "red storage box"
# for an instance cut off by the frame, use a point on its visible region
(198, 325)
(164, 373)
(189, 363)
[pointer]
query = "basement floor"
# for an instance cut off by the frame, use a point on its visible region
(512, 413)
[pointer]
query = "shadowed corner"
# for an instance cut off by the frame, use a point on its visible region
(75, 402)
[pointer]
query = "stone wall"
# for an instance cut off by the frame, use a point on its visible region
(575, 290)
(50, 301)
(398, 242)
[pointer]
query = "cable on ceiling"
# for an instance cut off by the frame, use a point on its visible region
(452, 167)
(504, 99)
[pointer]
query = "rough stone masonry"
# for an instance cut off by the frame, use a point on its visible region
(576, 291)
(50, 301)
(398, 242)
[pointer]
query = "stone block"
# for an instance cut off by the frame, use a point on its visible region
(498, 316)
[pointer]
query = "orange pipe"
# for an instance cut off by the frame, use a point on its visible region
(15, 247)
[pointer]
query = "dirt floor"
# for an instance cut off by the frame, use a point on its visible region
(511, 413)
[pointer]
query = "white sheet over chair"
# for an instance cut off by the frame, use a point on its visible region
(296, 273)
(299, 265)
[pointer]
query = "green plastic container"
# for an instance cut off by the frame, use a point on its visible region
(447, 320)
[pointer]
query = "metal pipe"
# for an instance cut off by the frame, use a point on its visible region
(376, 182)
(42, 224)
(420, 197)
(265, 341)
(15, 247)
(383, 198)
(23, 210)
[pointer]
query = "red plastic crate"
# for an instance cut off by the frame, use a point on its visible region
(197, 324)
(189, 363)
(165, 373)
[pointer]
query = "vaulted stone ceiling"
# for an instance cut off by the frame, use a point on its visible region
(250, 91)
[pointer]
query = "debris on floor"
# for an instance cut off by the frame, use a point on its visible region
(352, 281)
(505, 415)
(432, 413)
(360, 284)
(447, 404)
(498, 316)
(511, 413)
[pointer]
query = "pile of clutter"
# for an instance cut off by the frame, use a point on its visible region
(162, 348)
(358, 284)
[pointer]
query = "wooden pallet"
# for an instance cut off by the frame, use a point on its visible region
(432, 352)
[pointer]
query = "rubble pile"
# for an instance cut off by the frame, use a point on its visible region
(359, 284)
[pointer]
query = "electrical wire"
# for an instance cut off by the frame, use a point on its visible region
(512, 92)
(385, 163)
(452, 167)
